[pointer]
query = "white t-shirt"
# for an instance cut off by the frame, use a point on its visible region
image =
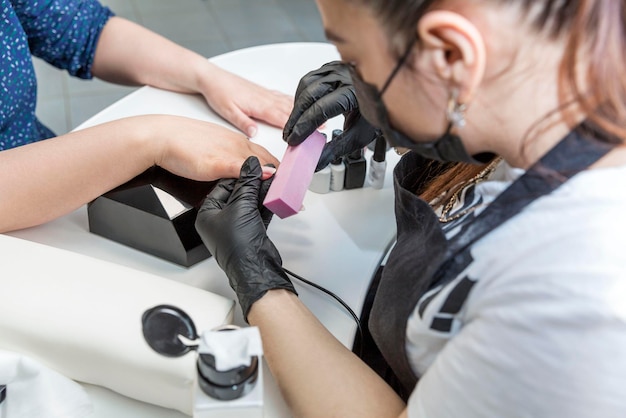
(541, 330)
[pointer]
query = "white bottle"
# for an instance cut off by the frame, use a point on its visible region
(320, 183)
(378, 165)
(337, 174)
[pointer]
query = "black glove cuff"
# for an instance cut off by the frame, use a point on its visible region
(247, 299)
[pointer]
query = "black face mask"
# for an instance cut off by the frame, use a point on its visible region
(447, 148)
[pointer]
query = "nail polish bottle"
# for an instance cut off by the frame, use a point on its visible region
(337, 174)
(378, 165)
(320, 183)
(337, 168)
(356, 167)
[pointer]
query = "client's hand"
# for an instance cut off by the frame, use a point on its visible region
(241, 101)
(199, 150)
(321, 95)
(232, 223)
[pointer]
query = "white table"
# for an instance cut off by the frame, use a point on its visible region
(337, 242)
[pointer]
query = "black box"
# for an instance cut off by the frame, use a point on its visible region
(155, 212)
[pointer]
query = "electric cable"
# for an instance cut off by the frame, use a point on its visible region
(338, 299)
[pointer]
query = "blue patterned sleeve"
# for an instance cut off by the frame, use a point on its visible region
(63, 32)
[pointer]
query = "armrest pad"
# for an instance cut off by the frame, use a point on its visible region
(82, 317)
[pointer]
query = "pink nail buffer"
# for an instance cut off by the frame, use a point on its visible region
(294, 175)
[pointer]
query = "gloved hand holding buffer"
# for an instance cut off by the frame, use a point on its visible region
(321, 95)
(232, 223)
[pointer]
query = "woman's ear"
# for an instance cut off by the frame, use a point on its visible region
(454, 50)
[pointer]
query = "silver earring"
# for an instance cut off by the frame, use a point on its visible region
(455, 112)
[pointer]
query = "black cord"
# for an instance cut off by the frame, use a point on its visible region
(337, 298)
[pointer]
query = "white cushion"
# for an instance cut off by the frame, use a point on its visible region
(82, 317)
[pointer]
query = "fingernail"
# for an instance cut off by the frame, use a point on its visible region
(252, 131)
(269, 171)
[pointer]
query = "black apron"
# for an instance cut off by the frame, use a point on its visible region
(423, 259)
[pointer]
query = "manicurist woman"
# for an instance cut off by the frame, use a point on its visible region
(504, 295)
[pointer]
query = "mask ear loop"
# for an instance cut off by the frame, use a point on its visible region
(399, 65)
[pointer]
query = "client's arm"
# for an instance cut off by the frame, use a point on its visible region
(131, 54)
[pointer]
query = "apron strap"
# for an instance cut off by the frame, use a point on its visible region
(575, 153)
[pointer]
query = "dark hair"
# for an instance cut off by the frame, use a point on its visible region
(595, 28)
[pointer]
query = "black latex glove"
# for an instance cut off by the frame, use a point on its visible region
(321, 95)
(232, 223)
